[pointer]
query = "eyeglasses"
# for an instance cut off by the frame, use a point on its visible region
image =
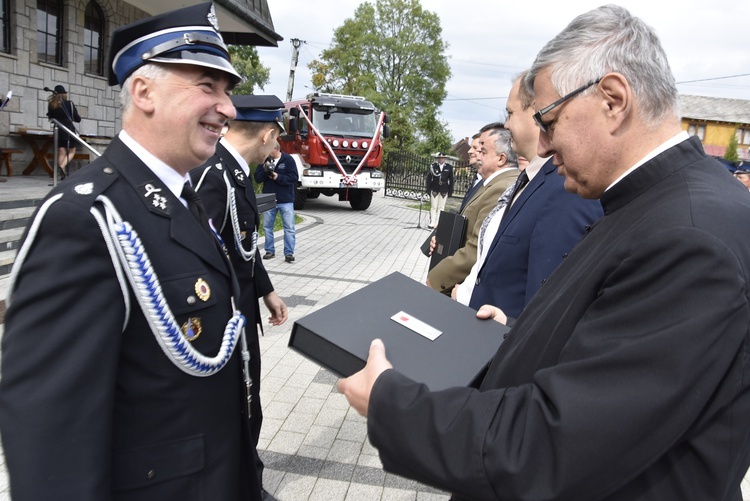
(538, 115)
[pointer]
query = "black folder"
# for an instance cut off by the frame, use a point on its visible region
(450, 235)
(266, 201)
(338, 336)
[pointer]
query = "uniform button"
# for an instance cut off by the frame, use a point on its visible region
(151, 474)
(191, 300)
(565, 255)
(542, 282)
(477, 282)
(109, 170)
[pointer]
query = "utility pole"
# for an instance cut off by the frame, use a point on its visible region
(296, 42)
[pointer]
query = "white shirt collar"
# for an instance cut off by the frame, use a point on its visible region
(673, 141)
(497, 173)
(236, 155)
(170, 177)
(535, 166)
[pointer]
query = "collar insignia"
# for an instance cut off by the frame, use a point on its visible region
(155, 196)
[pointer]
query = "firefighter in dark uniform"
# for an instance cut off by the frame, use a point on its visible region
(439, 186)
(122, 370)
(225, 186)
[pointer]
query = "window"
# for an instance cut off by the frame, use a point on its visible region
(697, 130)
(743, 135)
(93, 34)
(5, 25)
(49, 31)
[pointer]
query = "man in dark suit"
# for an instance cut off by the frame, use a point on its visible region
(226, 189)
(120, 377)
(532, 235)
(498, 171)
(625, 377)
(439, 187)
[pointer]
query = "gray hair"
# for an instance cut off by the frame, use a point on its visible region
(610, 39)
(502, 142)
(152, 71)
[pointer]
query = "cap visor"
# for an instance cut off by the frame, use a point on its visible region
(202, 59)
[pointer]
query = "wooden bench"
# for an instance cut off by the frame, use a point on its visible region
(6, 157)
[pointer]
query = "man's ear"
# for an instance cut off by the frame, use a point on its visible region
(270, 134)
(617, 102)
(141, 93)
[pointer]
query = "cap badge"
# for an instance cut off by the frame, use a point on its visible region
(202, 290)
(212, 18)
(192, 328)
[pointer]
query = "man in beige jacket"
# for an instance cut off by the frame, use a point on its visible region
(498, 170)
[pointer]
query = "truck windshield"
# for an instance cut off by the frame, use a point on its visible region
(339, 123)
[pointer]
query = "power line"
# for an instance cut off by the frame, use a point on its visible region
(714, 78)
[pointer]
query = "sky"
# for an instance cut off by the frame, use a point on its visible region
(491, 41)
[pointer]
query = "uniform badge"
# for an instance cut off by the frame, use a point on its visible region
(192, 328)
(154, 195)
(84, 189)
(219, 166)
(202, 290)
(212, 18)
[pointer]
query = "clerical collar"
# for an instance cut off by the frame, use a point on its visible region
(172, 179)
(673, 141)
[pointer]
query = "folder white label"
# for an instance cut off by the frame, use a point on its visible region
(416, 325)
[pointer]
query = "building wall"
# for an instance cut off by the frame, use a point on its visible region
(718, 135)
(20, 72)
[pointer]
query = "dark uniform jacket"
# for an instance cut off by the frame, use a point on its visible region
(211, 182)
(91, 408)
(440, 180)
(626, 376)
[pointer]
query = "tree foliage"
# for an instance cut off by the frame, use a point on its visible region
(393, 54)
(731, 153)
(246, 61)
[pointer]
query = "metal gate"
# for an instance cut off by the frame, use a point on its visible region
(406, 176)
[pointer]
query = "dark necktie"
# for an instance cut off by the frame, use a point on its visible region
(521, 182)
(195, 206)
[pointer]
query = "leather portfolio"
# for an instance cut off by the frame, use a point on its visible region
(428, 337)
(266, 201)
(450, 235)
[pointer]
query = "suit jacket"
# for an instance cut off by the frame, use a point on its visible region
(453, 269)
(443, 181)
(212, 182)
(87, 395)
(625, 378)
(542, 226)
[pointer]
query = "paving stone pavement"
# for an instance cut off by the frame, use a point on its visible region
(314, 446)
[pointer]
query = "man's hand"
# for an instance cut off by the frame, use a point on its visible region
(433, 244)
(277, 308)
(493, 312)
(357, 387)
(454, 292)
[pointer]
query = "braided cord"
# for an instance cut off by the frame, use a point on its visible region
(155, 309)
(244, 254)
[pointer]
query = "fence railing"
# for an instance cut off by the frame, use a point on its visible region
(406, 175)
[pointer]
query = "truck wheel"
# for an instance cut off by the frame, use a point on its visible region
(299, 199)
(360, 199)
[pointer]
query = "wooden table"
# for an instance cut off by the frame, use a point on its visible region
(40, 142)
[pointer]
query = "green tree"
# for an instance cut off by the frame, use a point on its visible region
(246, 61)
(393, 54)
(731, 153)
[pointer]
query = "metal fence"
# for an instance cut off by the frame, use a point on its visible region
(406, 176)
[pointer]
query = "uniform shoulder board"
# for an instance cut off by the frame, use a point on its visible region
(86, 185)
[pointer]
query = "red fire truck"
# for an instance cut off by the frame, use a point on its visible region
(336, 142)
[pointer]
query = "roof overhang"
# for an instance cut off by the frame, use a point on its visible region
(242, 22)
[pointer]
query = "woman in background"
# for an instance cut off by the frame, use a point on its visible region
(65, 112)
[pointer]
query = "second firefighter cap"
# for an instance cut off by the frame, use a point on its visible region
(252, 108)
(184, 36)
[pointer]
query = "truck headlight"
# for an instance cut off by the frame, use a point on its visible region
(376, 174)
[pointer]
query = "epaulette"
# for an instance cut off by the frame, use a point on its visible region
(84, 186)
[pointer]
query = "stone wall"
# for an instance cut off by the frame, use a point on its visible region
(20, 72)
